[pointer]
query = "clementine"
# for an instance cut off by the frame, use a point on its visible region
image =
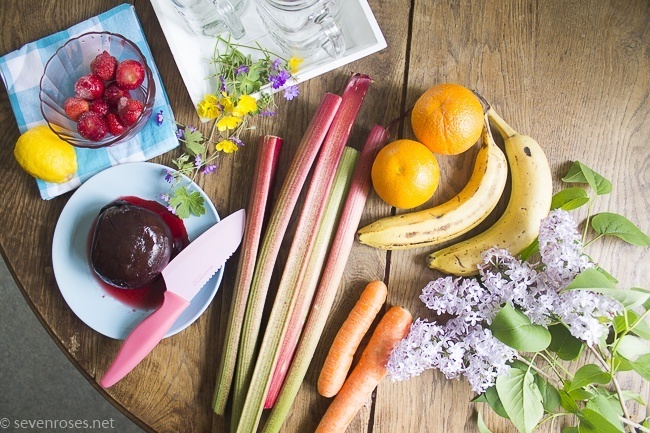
(448, 119)
(405, 174)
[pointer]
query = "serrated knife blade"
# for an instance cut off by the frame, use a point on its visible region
(184, 277)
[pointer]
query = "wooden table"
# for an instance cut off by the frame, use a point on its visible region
(574, 75)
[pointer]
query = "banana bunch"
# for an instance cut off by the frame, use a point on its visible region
(529, 203)
(452, 218)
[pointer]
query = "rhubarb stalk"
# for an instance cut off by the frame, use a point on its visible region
(330, 280)
(301, 248)
(306, 286)
(268, 152)
(277, 226)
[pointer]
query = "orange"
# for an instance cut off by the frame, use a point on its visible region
(405, 174)
(448, 119)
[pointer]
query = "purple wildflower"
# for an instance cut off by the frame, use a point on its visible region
(159, 118)
(236, 140)
(242, 69)
(171, 209)
(291, 92)
(197, 161)
(276, 64)
(164, 197)
(267, 113)
(278, 80)
(169, 176)
(222, 80)
(180, 133)
(191, 128)
(209, 169)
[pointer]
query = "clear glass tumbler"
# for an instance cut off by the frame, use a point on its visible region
(212, 17)
(303, 27)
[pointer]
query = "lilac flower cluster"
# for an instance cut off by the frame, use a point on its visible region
(464, 346)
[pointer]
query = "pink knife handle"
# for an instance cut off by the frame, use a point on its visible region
(144, 338)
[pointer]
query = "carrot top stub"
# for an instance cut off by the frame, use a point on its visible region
(347, 340)
(367, 374)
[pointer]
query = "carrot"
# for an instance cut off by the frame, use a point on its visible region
(345, 344)
(367, 374)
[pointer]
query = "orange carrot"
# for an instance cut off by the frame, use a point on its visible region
(367, 374)
(345, 344)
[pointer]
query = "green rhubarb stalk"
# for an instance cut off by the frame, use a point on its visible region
(277, 226)
(330, 280)
(308, 279)
(301, 248)
(268, 152)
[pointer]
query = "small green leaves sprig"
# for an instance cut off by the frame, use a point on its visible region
(539, 388)
(232, 107)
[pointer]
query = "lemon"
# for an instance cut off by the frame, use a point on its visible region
(41, 153)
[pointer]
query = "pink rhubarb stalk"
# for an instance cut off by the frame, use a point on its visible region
(330, 280)
(277, 226)
(301, 248)
(268, 152)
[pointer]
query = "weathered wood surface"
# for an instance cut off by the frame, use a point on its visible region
(574, 75)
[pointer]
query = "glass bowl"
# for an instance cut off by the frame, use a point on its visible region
(72, 61)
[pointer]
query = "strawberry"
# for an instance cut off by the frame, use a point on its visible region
(92, 126)
(74, 107)
(104, 66)
(129, 74)
(99, 106)
(113, 93)
(115, 125)
(89, 87)
(129, 110)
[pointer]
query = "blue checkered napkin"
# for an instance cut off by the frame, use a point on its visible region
(21, 72)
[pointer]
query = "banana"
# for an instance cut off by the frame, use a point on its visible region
(452, 218)
(530, 201)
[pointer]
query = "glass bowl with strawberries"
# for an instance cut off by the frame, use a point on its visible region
(97, 90)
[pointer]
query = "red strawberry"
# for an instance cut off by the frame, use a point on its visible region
(92, 126)
(74, 107)
(115, 125)
(113, 93)
(104, 66)
(129, 74)
(129, 110)
(99, 106)
(89, 87)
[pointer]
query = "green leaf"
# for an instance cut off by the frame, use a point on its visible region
(636, 325)
(593, 422)
(550, 396)
(193, 141)
(492, 398)
(612, 224)
(580, 394)
(565, 345)
(588, 374)
(512, 327)
(591, 279)
(642, 366)
(521, 399)
(580, 173)
(529, 250)
(632, 347)
(609, 408)
(482, 428)
(609, 276)
(479, 399)
(569, 199)
(567, 402)
(187, 203)
(631, 395)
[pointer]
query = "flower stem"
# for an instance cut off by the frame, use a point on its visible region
(534, 367)
(584, 232)
(633, 424)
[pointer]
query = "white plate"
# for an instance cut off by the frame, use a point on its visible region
(80, 287)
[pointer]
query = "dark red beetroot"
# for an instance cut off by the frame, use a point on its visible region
(131, 245)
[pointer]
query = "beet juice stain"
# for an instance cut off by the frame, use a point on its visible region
(151, 295)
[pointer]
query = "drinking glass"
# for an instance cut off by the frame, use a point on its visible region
(303, 27)
(211, 17)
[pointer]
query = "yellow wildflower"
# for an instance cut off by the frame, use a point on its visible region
(294, 62)
(228, 122)
(226, 146)
(226, 103)
(245, 105)
(208, 108)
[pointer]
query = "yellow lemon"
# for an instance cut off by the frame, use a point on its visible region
(41, 153)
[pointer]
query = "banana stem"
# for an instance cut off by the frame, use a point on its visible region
(505, 129)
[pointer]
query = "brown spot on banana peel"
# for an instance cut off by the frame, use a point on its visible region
(527, 151)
